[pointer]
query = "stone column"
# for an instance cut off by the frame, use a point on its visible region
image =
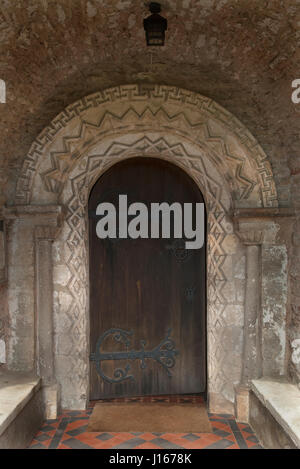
(44, 237)
(266, 233)
(252, 345)
(31, 232)
(252, 363)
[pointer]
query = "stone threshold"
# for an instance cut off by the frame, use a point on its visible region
(282, 400)
(16, 390)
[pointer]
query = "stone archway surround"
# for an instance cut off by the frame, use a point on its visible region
(74, 267)
(188, 129)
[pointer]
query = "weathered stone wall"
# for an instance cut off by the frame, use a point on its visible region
(294, 317)
(3, 323)
(242, 55)
(3, 296)
(21, 295)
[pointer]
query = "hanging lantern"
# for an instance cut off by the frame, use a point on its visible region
(155, 26)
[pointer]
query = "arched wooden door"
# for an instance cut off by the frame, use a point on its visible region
(151, 290)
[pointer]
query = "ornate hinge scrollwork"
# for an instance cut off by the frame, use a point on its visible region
(164, 354)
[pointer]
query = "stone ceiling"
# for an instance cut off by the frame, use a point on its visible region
(242, 54)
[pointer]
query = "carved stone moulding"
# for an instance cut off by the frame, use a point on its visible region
(125, 109)
(53, 213)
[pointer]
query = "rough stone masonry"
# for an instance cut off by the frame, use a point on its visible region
(241, 54)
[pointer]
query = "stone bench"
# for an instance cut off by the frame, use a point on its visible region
(21, 409)
(275, 413)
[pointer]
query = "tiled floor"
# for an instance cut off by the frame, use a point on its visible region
(69, 432)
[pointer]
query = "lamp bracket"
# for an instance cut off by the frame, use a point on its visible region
(154, 7)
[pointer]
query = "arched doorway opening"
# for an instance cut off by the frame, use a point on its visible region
(81, 143)
(147, 296)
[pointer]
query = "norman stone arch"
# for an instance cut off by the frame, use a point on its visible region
(190, 130)
(125, 109)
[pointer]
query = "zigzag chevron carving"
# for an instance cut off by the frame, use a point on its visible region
(168, 109)
(72, 336)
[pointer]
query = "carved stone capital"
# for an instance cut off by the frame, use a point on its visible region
(250, 238)
(37, 214)
(45, 220)
(263, 225)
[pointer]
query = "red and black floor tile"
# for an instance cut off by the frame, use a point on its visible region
(69, 431)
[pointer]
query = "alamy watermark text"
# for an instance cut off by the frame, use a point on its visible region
(164, 218)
